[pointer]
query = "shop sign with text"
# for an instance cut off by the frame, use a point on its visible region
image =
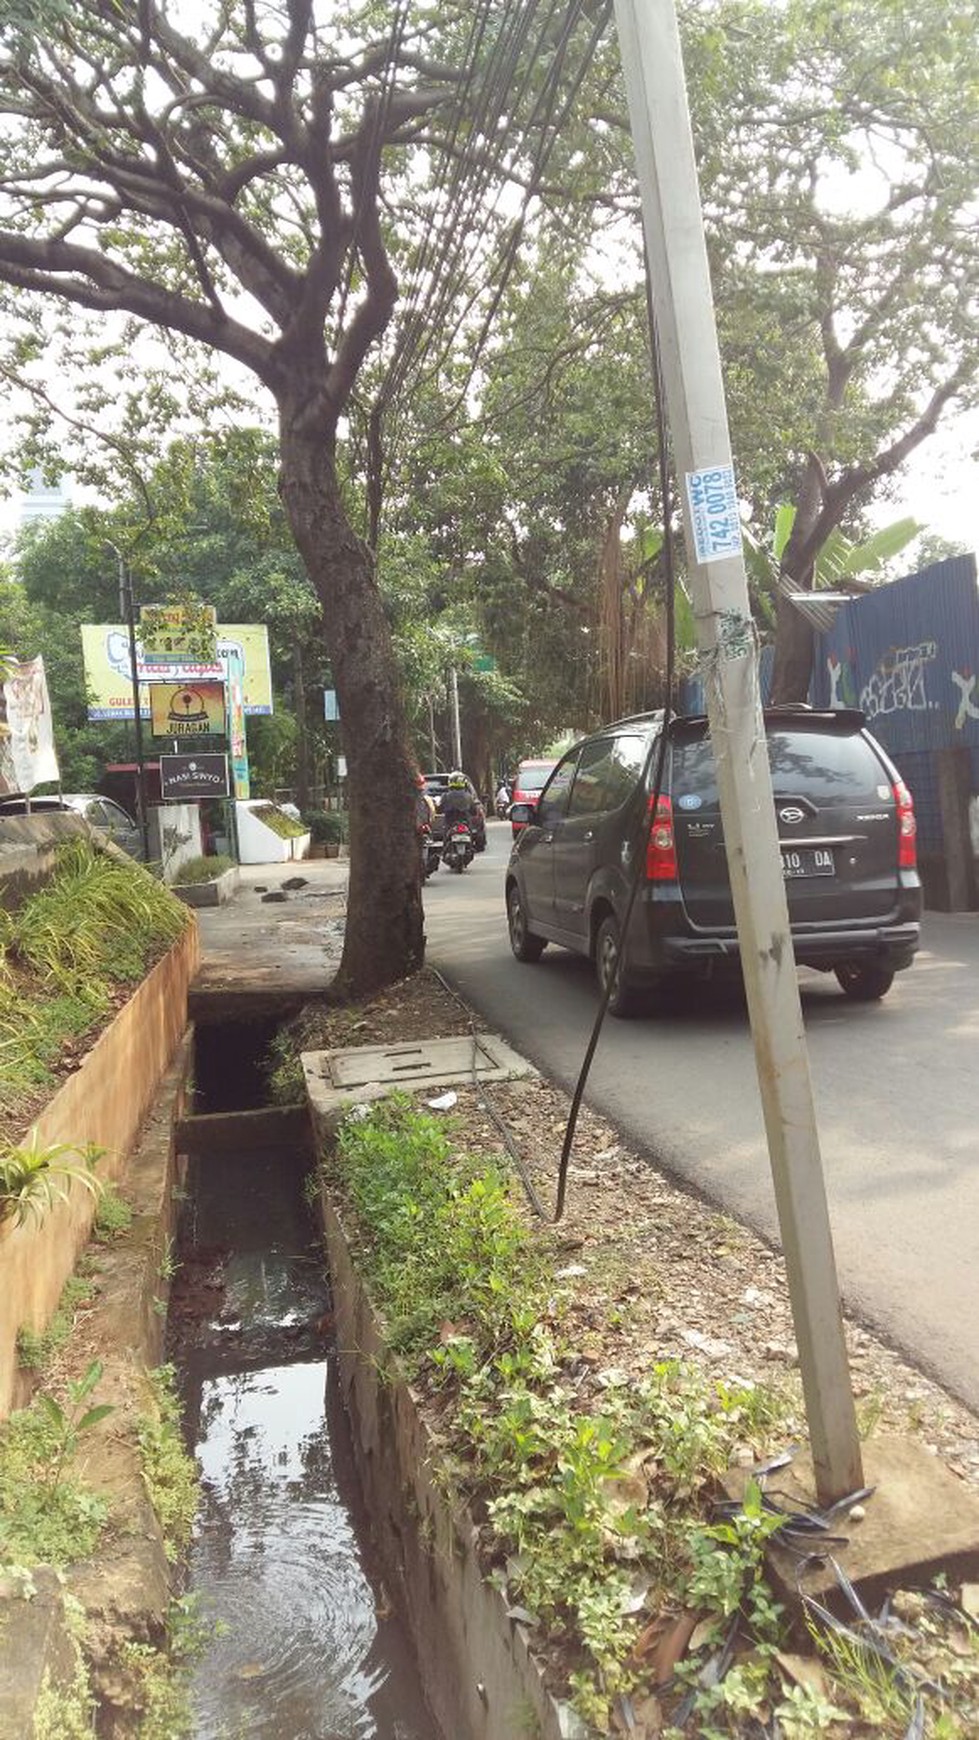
(193, 776)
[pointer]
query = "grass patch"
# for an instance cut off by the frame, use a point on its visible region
(203, 869)
(36, 1351)
(278, 821)
(283, 1071)
(94, 927)
(169, 1472)
(113, 1217)
(46, 1516)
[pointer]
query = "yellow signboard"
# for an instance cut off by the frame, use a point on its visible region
(105, 650)
(187, 710)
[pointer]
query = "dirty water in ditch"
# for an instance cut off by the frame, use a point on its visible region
(305, 1645)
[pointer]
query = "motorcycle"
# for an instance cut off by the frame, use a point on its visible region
(502, 804)
(458, 848)
(431, 852)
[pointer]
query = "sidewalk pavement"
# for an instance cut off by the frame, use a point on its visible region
(262, 955)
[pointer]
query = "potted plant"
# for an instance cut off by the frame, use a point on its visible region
(326, 832)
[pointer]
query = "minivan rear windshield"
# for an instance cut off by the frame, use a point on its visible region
(534, 778)
(827, 766)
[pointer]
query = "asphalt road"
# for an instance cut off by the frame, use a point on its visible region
(896, 1086)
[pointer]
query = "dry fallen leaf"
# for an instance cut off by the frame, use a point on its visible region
(663, 1644)
(805, 1671)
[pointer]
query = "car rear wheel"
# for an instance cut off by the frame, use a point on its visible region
(622, 997)
(866, 981)
(524, 943)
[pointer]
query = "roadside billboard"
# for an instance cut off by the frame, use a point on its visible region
(171, 633)
(27, 756)
(108, 679)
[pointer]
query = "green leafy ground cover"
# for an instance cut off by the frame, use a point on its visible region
(595, 1499)
(68, 956)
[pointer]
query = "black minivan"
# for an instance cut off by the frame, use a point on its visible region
(846, 829)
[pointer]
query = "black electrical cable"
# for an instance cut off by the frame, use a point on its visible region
(657, 751)
(657, 748)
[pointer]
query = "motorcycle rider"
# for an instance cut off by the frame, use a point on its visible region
(457, 803)
(502, 799)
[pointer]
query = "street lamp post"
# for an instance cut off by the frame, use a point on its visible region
(128, 611)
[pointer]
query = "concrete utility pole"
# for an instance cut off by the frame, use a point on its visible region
(650, 45)
(454, 709)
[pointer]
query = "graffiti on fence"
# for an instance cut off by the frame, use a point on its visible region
(898, 683)
(965, 682)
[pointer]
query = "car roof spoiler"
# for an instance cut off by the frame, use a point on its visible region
(845, 720)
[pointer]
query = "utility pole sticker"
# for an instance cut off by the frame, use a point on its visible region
(715, 517)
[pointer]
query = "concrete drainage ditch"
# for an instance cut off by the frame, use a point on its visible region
(307, 1640)
(320, 1618)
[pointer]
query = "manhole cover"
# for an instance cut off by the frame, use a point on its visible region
(415, 1065)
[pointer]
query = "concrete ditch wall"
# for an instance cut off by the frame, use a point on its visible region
(477, 1669)
(125, 1588)
(104, 1102)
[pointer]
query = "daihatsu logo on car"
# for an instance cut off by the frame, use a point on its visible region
(791, 814)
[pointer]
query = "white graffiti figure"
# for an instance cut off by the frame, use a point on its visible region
(835, 670)
(967, 707)
(898, 683)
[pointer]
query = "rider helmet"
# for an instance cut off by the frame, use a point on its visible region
(457, 780)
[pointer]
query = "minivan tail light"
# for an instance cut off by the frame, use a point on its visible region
(661, 847)
(907, 828)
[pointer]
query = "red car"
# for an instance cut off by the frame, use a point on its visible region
(532, 776)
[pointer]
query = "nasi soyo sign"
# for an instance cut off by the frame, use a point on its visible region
(193, 776)
(187, 710)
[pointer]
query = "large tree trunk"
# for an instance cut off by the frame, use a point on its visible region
(384, 940)
(794, 644)
(794, 637)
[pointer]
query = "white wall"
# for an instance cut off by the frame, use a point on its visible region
(175, 836)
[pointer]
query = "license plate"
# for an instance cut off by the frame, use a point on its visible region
(808, 861)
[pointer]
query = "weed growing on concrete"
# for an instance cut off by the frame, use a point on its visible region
(169, 1471)
(591, 1509)
(113, 1217)
(67, 1711)
(46, 1516)
(283, 1070)
(36, 1351)
(168, 1264)
(596, 1488)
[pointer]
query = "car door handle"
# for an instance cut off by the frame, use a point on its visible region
(548, 839)
(589, 835)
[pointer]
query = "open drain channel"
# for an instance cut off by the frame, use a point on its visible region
(305, 1645)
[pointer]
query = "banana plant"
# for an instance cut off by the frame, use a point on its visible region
(840, 559)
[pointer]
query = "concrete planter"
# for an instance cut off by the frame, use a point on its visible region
(104, 1102)
(213, 893)
(476, 1665)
